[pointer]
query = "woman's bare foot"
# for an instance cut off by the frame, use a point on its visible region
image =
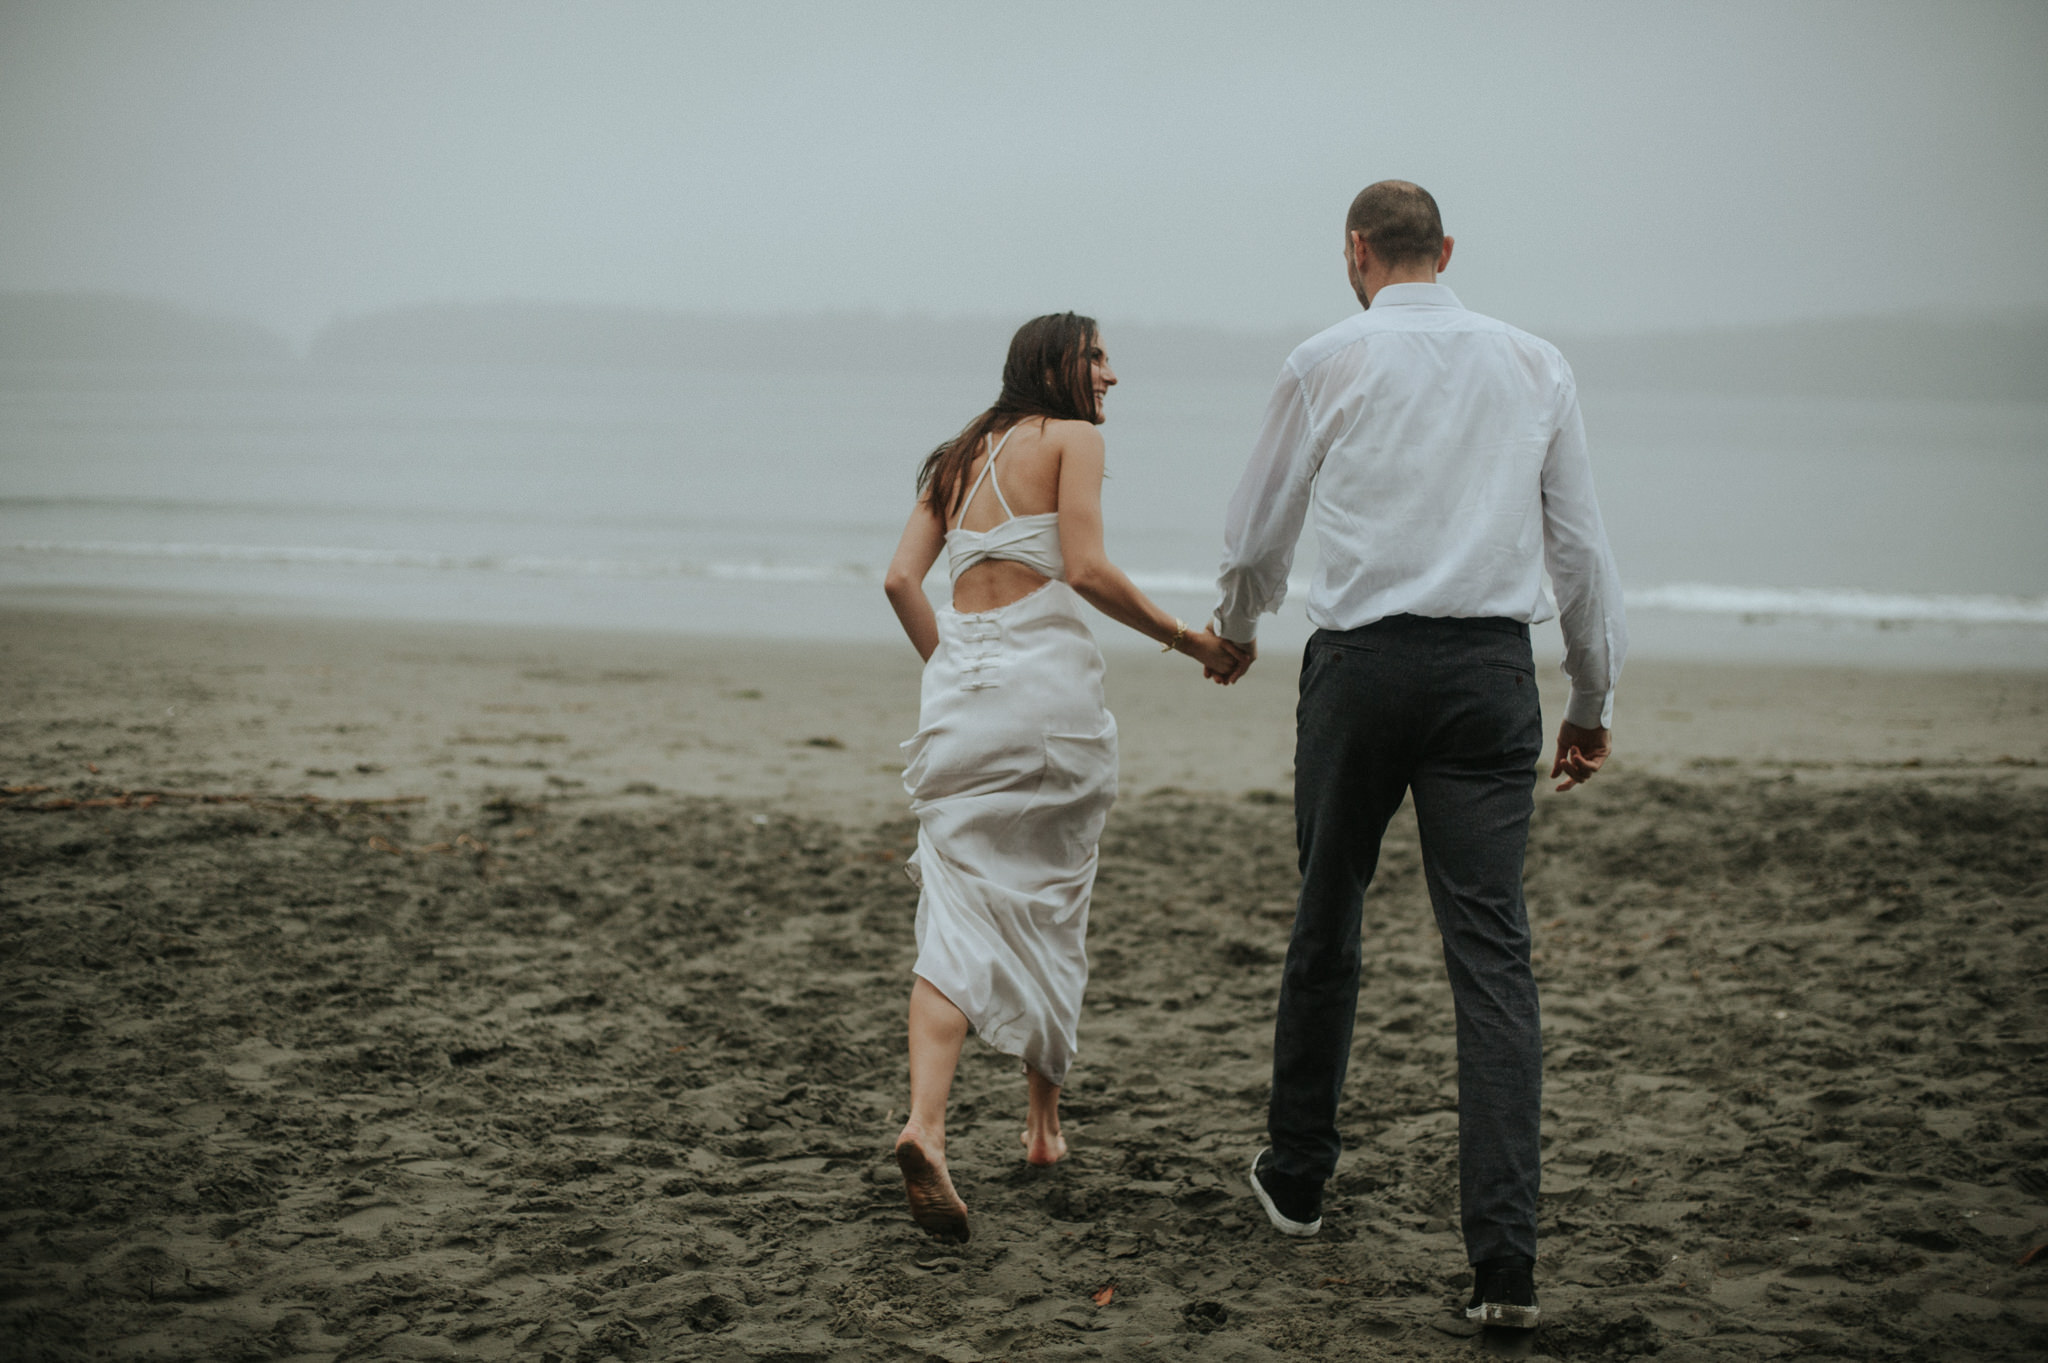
(1043, 1147)
(1043, 1143)
(933, 1203)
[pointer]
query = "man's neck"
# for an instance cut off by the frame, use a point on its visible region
(1406, 275)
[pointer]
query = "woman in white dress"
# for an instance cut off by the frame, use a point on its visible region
(1013, 767)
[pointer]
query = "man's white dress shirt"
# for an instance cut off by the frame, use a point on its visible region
(1445, 461)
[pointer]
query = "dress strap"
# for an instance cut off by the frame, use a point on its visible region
(994, 479)
(988, 471)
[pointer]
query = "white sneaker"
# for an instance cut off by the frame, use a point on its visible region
(1282, 1222)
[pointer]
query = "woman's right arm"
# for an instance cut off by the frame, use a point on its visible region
(916, 552)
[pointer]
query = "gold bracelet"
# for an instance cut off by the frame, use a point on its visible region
(1180, 634)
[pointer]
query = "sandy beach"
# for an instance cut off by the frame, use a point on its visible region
(408, 992)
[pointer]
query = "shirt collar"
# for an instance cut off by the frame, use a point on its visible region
(1415, 295)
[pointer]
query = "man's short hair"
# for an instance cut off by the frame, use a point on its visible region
(1399, 221)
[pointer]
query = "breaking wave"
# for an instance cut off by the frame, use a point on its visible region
(1700, 598)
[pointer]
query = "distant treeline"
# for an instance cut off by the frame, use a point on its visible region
(2002, 357)
(96, 328)
(595, 337)
(844, 342)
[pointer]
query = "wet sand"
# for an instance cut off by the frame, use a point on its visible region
(567, 1021)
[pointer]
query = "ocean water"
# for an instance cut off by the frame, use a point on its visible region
(1887, 533)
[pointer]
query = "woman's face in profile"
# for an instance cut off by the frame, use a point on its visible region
(1101, 378)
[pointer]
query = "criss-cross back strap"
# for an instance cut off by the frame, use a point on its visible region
(988, 471)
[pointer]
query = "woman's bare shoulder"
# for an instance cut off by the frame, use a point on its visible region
(1068, 434)
(1049, 437)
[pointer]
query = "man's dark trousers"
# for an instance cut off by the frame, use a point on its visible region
(1447, 709)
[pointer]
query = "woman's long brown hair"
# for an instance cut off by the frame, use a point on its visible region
(1046, 375)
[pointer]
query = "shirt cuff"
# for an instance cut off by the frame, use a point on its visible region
(1239, 629)
(1590, 709)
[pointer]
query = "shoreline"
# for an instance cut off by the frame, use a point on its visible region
(349, 709)
(847, 608)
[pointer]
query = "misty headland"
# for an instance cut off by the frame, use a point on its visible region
(1988, 357)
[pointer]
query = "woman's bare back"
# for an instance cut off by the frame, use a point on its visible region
(1029, 469)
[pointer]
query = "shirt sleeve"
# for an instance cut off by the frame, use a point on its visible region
(1582, 571)
(1264, 521)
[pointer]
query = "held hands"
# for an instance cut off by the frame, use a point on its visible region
(1242, 656)
(1579, 754)
(1223, 662)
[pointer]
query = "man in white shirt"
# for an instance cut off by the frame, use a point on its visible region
(1443, 459)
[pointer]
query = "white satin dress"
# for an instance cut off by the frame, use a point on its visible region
(1011, 774)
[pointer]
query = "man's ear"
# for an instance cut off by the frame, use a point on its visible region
(1443, 262)
(1361, 250)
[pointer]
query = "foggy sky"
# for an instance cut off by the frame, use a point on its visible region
(1603, 166)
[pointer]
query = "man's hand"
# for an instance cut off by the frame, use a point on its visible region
(1240, 657)
(1211, 652)
(1579, 754)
